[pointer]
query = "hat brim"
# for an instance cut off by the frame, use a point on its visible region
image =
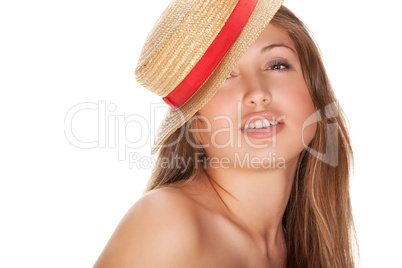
(263, 13)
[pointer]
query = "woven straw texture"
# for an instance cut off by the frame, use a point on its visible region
(179, 39)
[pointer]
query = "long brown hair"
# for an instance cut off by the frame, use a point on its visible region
(318, 220)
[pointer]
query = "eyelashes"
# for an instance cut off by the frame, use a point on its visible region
(279, 65)
(276, 65)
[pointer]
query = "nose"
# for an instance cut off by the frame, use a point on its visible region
(256, 92)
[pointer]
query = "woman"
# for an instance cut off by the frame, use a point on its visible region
(253, 169)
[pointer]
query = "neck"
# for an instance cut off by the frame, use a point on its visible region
(256, 200)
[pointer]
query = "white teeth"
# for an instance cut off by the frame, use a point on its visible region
(266, 123)
(260, 124)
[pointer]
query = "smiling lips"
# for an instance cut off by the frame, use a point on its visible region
(260, 124)
(257, 125)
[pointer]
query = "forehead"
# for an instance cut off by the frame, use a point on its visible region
(272, 34)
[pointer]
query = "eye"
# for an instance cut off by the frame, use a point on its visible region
(279, 65)
(229, 76)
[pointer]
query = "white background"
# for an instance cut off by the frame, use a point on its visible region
(59, 204)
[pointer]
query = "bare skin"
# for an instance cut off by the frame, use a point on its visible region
(186, 227)
(233, 217)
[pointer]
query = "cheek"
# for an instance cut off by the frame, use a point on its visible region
(219, 104)
(298, 106)
(220, 113)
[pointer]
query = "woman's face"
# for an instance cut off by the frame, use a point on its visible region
(266, 85)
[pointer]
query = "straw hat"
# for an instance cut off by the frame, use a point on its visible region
(192, 49)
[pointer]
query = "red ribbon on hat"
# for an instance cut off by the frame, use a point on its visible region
(213, 55)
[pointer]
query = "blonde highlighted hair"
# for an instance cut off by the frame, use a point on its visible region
(318, 220)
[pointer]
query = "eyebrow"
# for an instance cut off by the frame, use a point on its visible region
(268, 48)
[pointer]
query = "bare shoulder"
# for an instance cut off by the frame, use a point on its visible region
(159, 230)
